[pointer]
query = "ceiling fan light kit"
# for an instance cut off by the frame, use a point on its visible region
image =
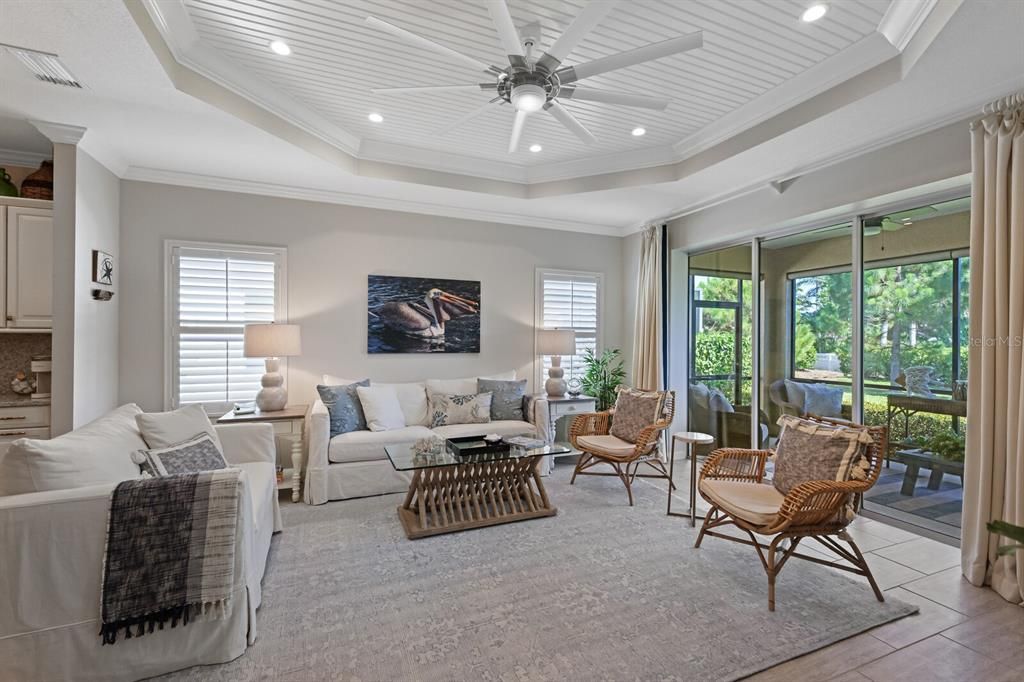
(532, 85)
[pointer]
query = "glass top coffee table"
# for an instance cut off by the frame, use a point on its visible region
(452, 492)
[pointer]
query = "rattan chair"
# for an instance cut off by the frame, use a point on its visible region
(590, 435)
(812, 510)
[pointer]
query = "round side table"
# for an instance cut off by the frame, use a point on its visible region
(691, 438)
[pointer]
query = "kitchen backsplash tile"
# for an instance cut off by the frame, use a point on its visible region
(16, 353)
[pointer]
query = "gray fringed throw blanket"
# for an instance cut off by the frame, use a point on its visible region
(170, 551)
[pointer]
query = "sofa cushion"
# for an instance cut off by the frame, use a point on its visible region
(99, 452)
(471, 408)
(343, 405)
(506, 397)
(823, 400)
(795, 394)
(756, 503)
(366, 446)
(381, 407)
(411, 396)
(164, 429)
(507, 427)
(464, 386)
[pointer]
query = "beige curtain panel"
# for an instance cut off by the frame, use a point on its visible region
(994, 472)
(647, 364)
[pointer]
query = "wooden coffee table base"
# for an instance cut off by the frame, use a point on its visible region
(473, 495)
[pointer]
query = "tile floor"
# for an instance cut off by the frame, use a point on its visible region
(961, 634)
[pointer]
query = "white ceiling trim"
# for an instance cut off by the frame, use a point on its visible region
(59, 133)
(222, 184)
(903, 19)
(175, 26)
(970, 107)
(13, 157)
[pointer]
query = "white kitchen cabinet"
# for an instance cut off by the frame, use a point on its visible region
(29, 276)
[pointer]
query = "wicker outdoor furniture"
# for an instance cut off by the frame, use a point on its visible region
(590, 434)
(732, 482)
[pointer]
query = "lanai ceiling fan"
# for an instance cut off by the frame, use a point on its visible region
(531, 85)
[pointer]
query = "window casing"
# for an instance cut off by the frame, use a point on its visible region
(570, 300)
(212, 292)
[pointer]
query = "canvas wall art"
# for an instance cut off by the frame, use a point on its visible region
(422, 315)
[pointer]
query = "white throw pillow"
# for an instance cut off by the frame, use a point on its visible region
(411, 396)
(99, 452)
(823, 400)
(381, 407)
(164, 429)
(795, 395)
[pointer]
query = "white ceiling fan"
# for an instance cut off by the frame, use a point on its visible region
(532, 85)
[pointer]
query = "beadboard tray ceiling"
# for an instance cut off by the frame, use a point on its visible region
(150, 113)
(758, 59)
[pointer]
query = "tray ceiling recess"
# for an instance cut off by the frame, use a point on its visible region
(533, 83)
(526, 92)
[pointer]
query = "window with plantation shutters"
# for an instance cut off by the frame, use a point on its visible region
(570, 300)
(214, 293)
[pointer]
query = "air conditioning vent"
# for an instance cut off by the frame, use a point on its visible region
(44, 66)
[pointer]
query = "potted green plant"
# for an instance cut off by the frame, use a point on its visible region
(602, 374)
(1015, 533)
(948, 445)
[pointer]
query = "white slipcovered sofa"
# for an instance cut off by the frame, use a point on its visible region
(355, 464)
(52, 545)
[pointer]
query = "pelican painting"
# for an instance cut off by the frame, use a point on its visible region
(422, 315)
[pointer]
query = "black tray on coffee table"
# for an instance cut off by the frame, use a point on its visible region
(464, 446)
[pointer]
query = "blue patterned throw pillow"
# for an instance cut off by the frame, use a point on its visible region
(343, 404)
(199, 453)
(506, 398)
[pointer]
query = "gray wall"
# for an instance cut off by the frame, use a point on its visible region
(331, 250)
(97, 226)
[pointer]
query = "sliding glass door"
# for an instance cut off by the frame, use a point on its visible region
(902, 364)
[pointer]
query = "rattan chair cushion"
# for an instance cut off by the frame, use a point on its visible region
(756, 503)
(610, 444)
(812, 451)
(634, 411)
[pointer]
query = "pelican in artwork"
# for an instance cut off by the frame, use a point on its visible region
(426, 318)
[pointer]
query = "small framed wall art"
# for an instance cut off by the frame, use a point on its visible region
(102, 268)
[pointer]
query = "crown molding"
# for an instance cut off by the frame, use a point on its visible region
(902, 20)
(14, 157)
(59, 133)
(198, 181)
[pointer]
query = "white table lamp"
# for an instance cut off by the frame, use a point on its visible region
(556, 343)
(272, 341)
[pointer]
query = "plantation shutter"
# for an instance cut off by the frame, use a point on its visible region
(215, 293)
(571, 301)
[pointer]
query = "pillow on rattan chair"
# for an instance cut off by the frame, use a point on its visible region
(811, 451)
(634, 411)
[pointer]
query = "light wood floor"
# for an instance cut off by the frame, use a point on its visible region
(961, 634)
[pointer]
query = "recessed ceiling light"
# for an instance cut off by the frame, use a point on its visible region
(637, 132)
(376, 118)
(280, 47)
(535, 148)
(813, 13)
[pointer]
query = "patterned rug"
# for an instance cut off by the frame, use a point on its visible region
(600, 592)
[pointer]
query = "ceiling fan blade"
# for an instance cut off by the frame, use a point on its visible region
(510, 40)
(517, 131)
(433, 88)
(427, 44)
(468, 117)
(589, 17)
(569, 121)
(639, 55)
(608, 97)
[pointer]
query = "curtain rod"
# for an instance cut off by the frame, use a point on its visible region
(1013, 101)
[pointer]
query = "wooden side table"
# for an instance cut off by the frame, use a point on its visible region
(289, 422)
(691, 438)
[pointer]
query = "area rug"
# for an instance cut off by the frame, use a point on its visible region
(601, 591)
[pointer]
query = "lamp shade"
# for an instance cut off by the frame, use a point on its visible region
(272, 340)
(556, 342)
